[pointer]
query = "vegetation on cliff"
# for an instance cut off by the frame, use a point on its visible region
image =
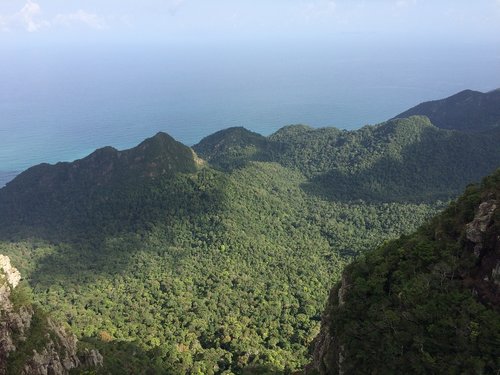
(31, 343)
(425, 303)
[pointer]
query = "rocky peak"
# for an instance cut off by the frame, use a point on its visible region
(483, 240)
(10, 273)
(23, 327)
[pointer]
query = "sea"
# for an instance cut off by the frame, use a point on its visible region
(61, 102)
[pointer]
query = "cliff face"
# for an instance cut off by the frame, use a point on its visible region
(426, 303)
(30, 342)
(483, 241)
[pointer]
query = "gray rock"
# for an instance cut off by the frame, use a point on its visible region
(59, 352)
(476, 229)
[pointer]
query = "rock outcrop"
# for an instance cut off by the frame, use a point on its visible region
(30, 342)
(10, 273)
(483, 240)
(326, 358)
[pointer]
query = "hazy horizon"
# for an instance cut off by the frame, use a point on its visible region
(79, 75)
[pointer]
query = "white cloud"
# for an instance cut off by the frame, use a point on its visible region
(31, 18)
(80, 18)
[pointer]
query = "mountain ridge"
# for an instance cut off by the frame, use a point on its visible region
(468, 111)
(435, 110)
(221, 264)
(78, 194)
(412, 153)
(401, 160)
(155, 156)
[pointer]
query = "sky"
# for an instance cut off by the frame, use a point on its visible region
(201, 20)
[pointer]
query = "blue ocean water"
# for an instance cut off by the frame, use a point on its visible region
(59, 103)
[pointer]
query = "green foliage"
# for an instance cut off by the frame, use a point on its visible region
(34, 339)
(98, 191)
(403, 160)
(207, 273)
(409, 304)
(21, 296)
(234, 147)
(195, 270)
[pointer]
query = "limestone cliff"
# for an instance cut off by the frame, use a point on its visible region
(30, 342)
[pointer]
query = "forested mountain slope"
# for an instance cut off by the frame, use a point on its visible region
(172, 264)
(198, 269)
(425, 303)
(232, 274)
(468, 111)
(100, 191)
(400, 160)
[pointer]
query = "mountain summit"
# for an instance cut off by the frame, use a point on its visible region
(97, 189)
(468, 111)
(155, 156)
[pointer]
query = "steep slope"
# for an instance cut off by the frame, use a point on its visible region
(425, 303)
(468, 111)
(400, 160)
(30, 342)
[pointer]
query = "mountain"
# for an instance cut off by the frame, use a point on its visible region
(31, 343)
(233, 147)
(425, 303)
(156, 156)
(399, 160)
(195, 271)
(168, 263)
(90, 192)
(403, 160)
(468, 111)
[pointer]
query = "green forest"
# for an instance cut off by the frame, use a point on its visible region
(220, 263)
(426, 302)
